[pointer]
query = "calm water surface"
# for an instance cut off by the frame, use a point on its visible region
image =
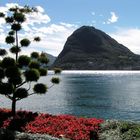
(101, 94)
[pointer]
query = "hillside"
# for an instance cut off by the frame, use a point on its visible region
(91, 49)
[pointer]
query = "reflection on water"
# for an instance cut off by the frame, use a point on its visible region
(101, 94)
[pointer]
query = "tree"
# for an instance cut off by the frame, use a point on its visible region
(23, 69)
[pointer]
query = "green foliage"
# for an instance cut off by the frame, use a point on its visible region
(9, 39)
(40, 88)
(9, 19)
(6, 88)
(124, 127)
(130, 131)
(43, 72)
(3, 52)
(2, 14)
(19, 17)
(35, 55)
(24, 60)
(8, 62)
(15, 80)
(11, 33)
(43, 54)
(2, 74)
(44, 60)
(25, 42)
(12, 72)
(57, 70)
(34, 64)
(55, 80)
(16, 27)
(37, 39)
(21, 93)
(10, 68)
(15, 49)
(0, 64)
(32, 75)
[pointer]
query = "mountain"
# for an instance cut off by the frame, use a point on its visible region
(91, 49)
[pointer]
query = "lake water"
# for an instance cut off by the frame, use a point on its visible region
(101, 94)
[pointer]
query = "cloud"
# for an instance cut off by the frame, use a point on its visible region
(93, 13)
(40, 9)
(68, 25)
(129, 38)
(114, 18)
(53, 35)
(10, 5)
(37, 18)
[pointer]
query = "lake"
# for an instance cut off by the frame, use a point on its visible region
(100, 94)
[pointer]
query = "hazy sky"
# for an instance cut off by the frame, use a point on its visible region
(57, 19)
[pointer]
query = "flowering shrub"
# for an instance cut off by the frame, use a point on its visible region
(69, 126)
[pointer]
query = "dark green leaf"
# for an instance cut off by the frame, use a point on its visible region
(40, 88)
(32, 75)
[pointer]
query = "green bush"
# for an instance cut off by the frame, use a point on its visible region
(8, 62)
(55, 80)
(25, 42)
(32, 75)
(34, 64)
(24, 60)
(43, 72)
(40, 88)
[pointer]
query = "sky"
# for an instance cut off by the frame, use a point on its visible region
(57, 19)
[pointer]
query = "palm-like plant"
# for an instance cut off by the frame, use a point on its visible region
(11, 68)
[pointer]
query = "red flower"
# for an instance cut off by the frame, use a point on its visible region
(61, 125)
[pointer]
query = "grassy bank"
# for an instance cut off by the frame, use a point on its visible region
(119, 130)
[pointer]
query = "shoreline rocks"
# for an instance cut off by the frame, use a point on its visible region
(14, 135)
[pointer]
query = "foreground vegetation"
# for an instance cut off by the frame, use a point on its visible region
(12, 78)
(119, 130)
(42, 126)
(66, 126)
